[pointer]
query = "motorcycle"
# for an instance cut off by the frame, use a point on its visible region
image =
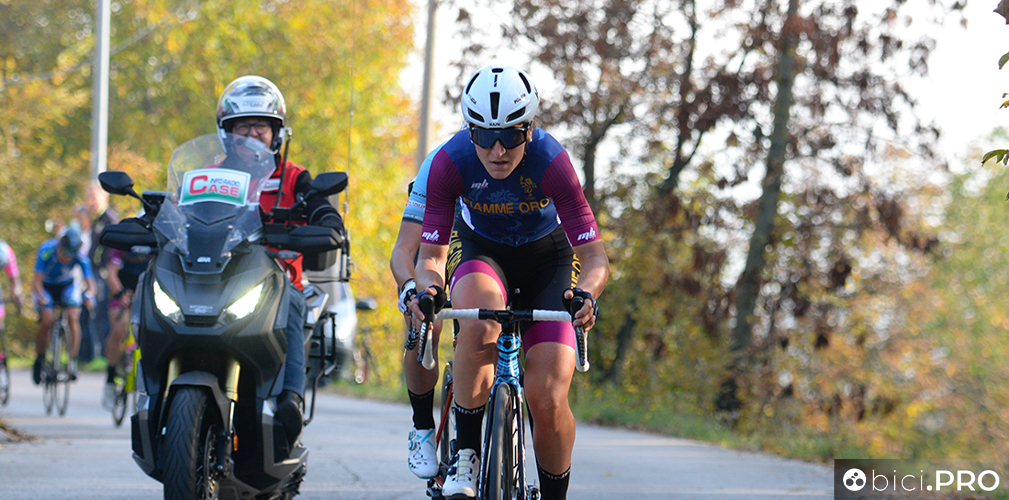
(210, 316)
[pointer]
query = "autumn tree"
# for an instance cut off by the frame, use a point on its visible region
(337, 64)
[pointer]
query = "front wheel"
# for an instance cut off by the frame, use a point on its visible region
(61, 377)
(5, 381)
(500, 478)
(189, 447)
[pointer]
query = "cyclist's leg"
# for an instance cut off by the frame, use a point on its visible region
(550, 362)
(72, 299)
(549, 370)
(476, 284)
(46, 309)
(119, 317)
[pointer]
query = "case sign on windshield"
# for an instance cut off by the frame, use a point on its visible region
(215, 184)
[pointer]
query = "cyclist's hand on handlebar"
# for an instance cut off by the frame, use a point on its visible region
(414, 306)
(586, 316)
(406, 295)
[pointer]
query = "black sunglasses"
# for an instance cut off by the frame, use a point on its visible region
(509, 137)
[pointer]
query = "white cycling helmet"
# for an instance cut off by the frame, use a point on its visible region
(252, 95)
(499, 97)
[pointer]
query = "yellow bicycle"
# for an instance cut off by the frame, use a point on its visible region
(126, 379)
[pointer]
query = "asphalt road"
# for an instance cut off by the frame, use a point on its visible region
(358, 451)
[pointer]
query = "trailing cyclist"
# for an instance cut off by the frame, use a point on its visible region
(516, 183)
(124, 270)
(420, 382)
(54, 284)
(9, 265)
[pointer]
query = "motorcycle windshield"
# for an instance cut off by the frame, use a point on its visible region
(213, 179)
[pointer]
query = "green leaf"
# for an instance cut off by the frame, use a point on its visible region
(1000, 156)
(1003, 60)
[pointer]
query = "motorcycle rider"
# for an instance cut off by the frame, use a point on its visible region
(252, 106)
(54, 282)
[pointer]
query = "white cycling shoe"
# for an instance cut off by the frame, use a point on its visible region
(109, 396)
(422, 460)
(461, 481)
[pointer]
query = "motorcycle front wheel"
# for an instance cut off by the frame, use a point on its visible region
(189, 447)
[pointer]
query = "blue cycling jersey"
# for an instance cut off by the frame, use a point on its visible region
(56, 273)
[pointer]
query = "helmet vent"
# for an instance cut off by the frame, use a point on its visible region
(495, 101)
(516, 114)
(470, 84)
(476, 116)
(529, 88)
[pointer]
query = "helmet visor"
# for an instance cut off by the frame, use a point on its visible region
(509, 137)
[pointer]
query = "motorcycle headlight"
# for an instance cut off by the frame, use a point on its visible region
(245, 305)
(165, 304)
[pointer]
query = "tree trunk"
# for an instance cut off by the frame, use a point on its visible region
(748, 286)
(624, 337)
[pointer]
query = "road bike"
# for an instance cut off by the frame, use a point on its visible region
(125, 379)
(56, 375)
(502, 473)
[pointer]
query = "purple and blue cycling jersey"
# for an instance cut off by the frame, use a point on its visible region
(539, 195)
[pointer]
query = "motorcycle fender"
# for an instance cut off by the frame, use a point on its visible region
(203, 380)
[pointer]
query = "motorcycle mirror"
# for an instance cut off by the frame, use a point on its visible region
(367, 304)
(116, 182)
(329, 183)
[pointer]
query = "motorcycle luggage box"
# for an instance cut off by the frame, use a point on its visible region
(128, 234)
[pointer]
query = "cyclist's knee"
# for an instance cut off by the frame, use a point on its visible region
(548, 406)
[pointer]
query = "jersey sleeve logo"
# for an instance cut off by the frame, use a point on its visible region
(588, 235)
(431, 236)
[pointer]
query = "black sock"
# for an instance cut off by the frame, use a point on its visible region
(553, 486)
(423, 407)
(111, 378)
(468, 428)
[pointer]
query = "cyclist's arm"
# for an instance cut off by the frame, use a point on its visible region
(594, 274)
(407, 243)
(430, 272)
(112, 280)
(13, 273)
(37, 284)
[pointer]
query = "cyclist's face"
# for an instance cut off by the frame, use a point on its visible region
(63, 256)
(499, 161)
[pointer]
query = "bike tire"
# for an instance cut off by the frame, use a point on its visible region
(49, 372)
(500, 477)
(61, 358)
(119, 407)
(5, 383)
(448, 429)
(122, 390)
(5, 374)
(189, 447)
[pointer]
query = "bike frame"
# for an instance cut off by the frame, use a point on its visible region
(508, 371)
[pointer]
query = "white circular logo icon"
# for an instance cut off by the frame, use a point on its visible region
(854, 479)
